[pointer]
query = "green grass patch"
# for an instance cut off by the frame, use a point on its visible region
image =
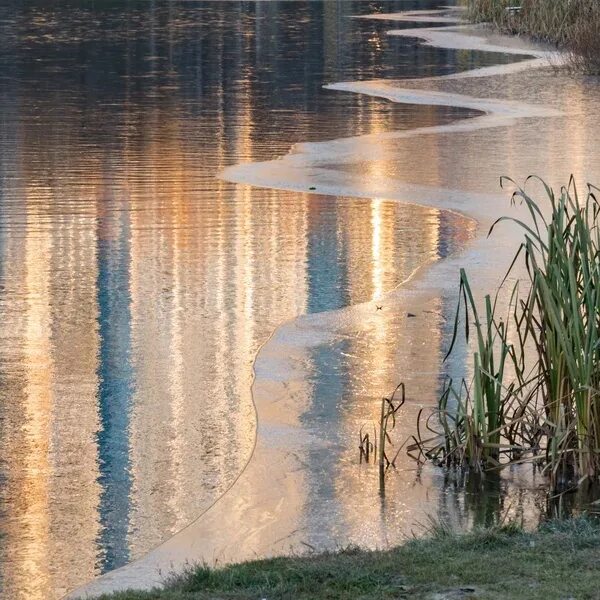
(559, 561)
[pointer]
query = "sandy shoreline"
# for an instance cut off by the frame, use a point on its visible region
(262, 514)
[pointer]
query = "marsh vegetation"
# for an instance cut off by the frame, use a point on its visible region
(572, 24)
(534, 392)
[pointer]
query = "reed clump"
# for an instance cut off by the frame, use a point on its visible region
(534, 393)
(574, 25)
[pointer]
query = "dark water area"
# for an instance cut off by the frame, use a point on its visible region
(136, 286)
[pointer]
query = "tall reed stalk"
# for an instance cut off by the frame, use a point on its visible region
(561, 317)
(539, 397)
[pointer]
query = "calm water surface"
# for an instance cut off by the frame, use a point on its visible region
(136, 287)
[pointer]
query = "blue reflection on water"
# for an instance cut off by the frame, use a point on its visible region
(116, 385)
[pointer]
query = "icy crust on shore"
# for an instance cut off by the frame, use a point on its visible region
(495, 112)
(446, 16)
(311, 155)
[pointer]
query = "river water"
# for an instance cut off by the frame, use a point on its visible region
(137, 285)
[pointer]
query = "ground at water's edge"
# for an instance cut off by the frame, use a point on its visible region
(503, 563)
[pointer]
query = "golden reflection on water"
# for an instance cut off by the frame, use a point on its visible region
(137, 288)
(37, 407)
(387, 349)
(135, 309)
(50, 400)
(137, 329)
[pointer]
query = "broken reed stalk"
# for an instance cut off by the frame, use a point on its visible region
(365, 446)
(387, 421)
